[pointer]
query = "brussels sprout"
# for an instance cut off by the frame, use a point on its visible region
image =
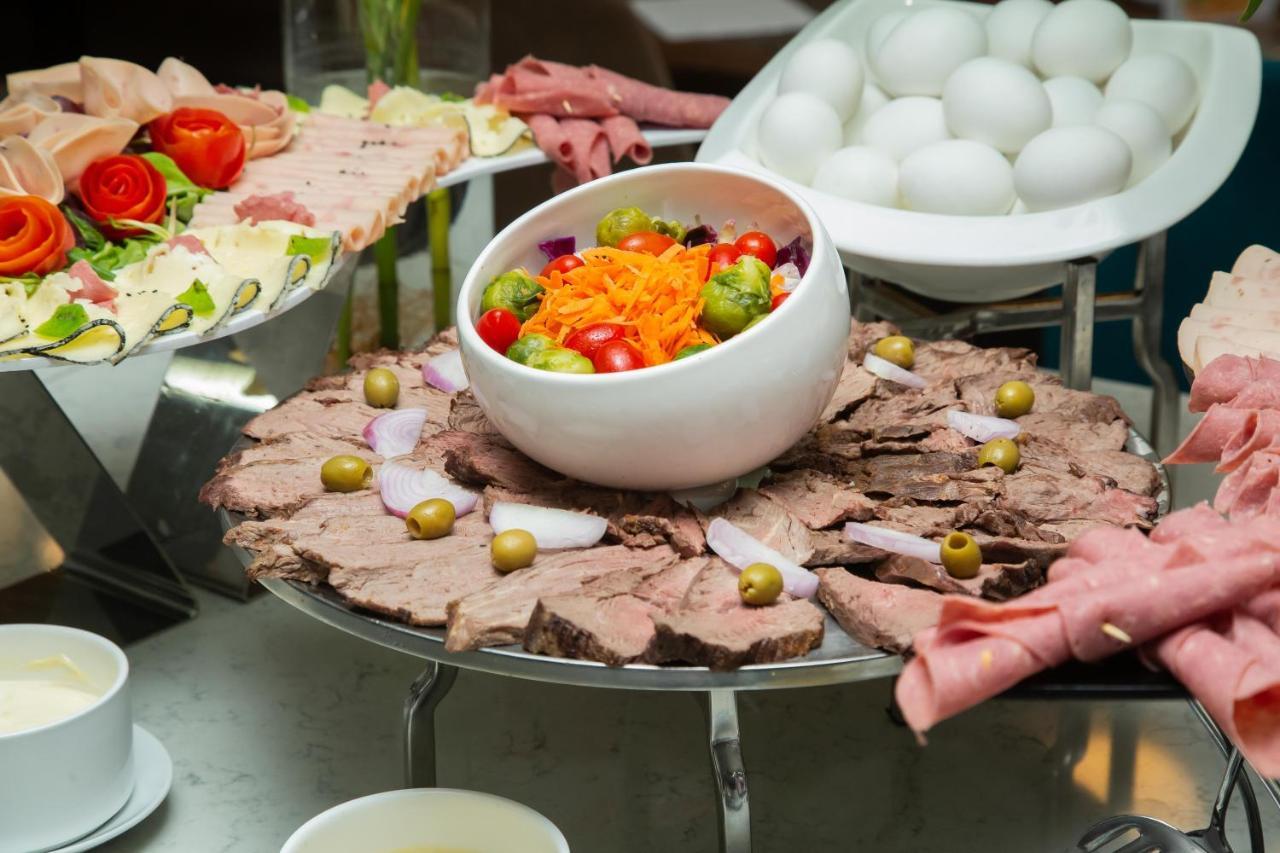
(672, 229)
(527, 346)
(559, 360)
(514, 291)
(621, 223)
(755, 321)
(735, 296)
(692, 349)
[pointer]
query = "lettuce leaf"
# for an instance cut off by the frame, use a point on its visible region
(316, 247)
(297, 104)
(65, 320)
(181, 191)
(197, 296)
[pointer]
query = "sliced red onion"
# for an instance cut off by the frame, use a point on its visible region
(894, 541)
(888, 370)
(445, 372)
(790, 276)
(728, 231)
(551, 528)
(403, 487)
(981, 428)
(795, 253)
(740, 549)
(700, 234)
(395, 433)
(557, 246)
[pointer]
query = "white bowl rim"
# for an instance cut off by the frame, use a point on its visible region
(1017, 240)
(403, 793)
(122, 672)
(466, 324)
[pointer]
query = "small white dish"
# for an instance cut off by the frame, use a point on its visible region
(428, 818)
(153, 774)
(700, 420)
(986, 258)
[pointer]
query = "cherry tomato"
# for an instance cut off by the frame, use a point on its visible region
(778, 300)
(648, 242)
(498, 328)
(757, 243)
(722, 256)
(617, 356)
(589, 339)
(564, 263)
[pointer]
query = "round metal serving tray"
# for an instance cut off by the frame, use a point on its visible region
(837, 660)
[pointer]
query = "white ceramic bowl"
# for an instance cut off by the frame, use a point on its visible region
(63, 780)
(985, 258)
(693, 422)
(427, 818)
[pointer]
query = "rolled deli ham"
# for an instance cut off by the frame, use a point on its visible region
(626, 140)
(656, 105)
(1205, 442)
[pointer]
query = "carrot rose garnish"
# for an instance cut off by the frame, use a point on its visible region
(34, 236)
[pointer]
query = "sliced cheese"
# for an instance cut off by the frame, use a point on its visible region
(494, 131)
(99, 338)
(341, 101)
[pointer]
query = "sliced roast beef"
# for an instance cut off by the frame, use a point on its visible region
(927, 520)
(1003, 523)
(892, 405)
(465, 415)
(856, 384)
(712, 626)
(929, 477)
(863, 336)
(817, 499)
(835, 548)
(609, 619)
(1076, 436)
(997, 581)
(979, 394)
(949, 360)
(769, 521)
(499, 613)
(270, 540)
(1044, 495)
(1115, 467)
(880, 615)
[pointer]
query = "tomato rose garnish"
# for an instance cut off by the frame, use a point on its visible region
(125, 186)
(34, 236)
(207, 146)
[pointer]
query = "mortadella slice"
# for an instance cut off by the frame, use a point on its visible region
(1205, 441)
(27, 169)
(1227, 376)
(114, 88)
(1260, 431)
(77, 140)
(60, 80)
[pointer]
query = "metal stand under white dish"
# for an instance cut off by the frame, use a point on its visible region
(1075, 312)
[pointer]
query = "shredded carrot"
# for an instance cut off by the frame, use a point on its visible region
(656, 299)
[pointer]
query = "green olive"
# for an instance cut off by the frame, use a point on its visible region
(961, 556)
(345, 473)
(1014, 399)
(897, 349)
(513, 549)
(381, 388)
(1002, 453)
(760, 583)
(431, 519)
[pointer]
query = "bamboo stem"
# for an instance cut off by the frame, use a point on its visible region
(438, 243)
(384, 255)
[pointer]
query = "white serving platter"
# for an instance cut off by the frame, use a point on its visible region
(988, 258)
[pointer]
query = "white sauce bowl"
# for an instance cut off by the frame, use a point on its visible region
(423, 818)
(62, 780)
(704, 419)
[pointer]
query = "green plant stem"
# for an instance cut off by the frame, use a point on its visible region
(438, 242)
(384, 255)
(344, 327)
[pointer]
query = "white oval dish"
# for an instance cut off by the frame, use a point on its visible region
(66, 778)
(985, 258)
(427, 817)
(703, 419)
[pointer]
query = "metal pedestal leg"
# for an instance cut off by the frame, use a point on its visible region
(420, 723)
(1078, 292)
(730, 774)
(1147, 325)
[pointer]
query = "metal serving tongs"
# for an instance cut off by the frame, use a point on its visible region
(1156, 836)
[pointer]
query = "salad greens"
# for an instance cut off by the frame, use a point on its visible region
(65, 320)
(315, 247)
(182, 193)
(197, 296)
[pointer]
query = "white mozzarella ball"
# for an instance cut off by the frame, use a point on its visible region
(918, 55)
(1082, 38)
(996, 102)
(1074, 100)
(873, 98)
(1160, 80)
(1143, 131)
(829, 69)
(797, 132)
(957, 177)
(861, 174)
(1010, 27)
(905, 124)
(1071, 165)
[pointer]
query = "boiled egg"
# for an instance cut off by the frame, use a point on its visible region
(1142, 129)
(873, 98)
(958, 177)
(829, 69)
(1071, 165)
(1074, 100)
(919, 53)
(1082, 38)
(861, 174)
(996, 102)
(797, 132)
(878, 31)
(1010, 27)
(1162, 81)
(905, 124)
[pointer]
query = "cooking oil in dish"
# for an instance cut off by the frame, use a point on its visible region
(61, 691)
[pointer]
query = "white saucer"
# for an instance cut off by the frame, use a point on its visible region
(153, 773)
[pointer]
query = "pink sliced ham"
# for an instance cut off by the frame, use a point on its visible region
(77, 140)
(27, 169)
(60, 80)
(377, 89)
(1205, 442)
(588, 147)
(282, 206)
(1260, 431)
(114, 88)
(1229, 375)
(1200, 518)
(1251, 489)
(550, 137)
(626, 140)
(653, 104)
(92, 287)
(190, 242)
